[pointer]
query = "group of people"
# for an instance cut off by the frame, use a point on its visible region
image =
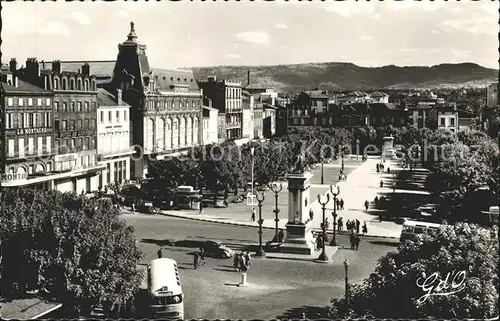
(381, 168)
(242, 261)
(199, 258)
(354, 240)
(351, 226)
(339, 203)
(320, 238)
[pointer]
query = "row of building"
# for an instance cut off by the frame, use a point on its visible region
(81, 126)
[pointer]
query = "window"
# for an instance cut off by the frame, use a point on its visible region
(442, 120)
(125, 115)
(21, 147)
(47, 101)
(79, 107)
(87, 125)
(73, 143)
(101, 117)
(64, 125)
(80, 124)
(21, 102)
(110, 115)
(30, 101)
(94, 123)
(452, 121)
(72, 107)
(72, 124)
(87, 109)
(56, 106)
(10, 101)
(117, 116)
(31, 146)
(65, 106)
(31, 118)
(8, 120)
(11, 151)
(48, 144)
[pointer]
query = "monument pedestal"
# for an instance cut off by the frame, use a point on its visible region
(388, 148)
(296, 240)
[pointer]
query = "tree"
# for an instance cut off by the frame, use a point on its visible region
(463, 247)
(69, 247)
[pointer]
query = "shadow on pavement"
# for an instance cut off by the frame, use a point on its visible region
(226, 266)
(385, 243)
(232, 284)
(158, 242)
(225, 270)
(305, 312)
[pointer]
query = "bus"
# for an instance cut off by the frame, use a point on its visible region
(413, 228)
(165, 290)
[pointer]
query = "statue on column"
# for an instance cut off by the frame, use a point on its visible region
(299, 163)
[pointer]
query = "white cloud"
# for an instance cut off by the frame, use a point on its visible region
(352, 8)
(123, 14)
(376, 16)
(80, 17)
(365, 38)
(280, 26)
(29, 25)
(461, 53)
(255, 37)
(232, 56)
(434, 31)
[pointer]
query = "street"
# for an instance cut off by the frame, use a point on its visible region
(276, 287)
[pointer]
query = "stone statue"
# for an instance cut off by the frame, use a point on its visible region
(299, 163)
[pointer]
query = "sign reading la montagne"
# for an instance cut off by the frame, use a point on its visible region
(28, 131)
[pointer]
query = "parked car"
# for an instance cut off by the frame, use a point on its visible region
(217, 250)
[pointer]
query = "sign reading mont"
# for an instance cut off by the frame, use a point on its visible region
(14, 176)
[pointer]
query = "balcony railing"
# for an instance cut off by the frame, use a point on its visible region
(233, 125)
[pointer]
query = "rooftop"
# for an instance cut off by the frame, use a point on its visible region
(98, 68)
(105, 98)
(166, 78)
(23, 87)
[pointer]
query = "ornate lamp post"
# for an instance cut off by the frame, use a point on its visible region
(252, 151)
(260, 198)
(346, 266)
(323, 258)
(322, 163)
(357, 149)
(334, 214)
(276, 190)
(342, 156)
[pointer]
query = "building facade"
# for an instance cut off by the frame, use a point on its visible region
(221, 127)
(113, 138)
(210, 135)
(258, 121)
(306, 105)
(492, 95)
(269, 121)
(165, 105)
(27, 133)
(248, 121)
(226, 96)
(448, 118)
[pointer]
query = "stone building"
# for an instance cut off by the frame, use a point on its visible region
(226, 96)
(165, 105)
(27, 136)
(113, 138)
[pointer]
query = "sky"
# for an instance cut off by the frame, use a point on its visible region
(188, 34)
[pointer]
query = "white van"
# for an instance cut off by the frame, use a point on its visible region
(165, 290)
(412, 228)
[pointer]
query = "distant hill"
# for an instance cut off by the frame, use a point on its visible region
(348, 76)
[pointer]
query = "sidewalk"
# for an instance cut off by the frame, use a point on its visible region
(362, 184)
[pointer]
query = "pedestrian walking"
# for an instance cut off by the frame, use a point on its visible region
(348, 225)
(243, 262)
(133, 207)
(226, 204)
(366, 205)
(340, 177)
(236, 261)
(365, 228)
(375, 200)
(337, 204)
(248, 260)
(195, 260)
(202, 256)
(356, 241)
(311, 214)
(160, 253)
(327, 224)
(357, 226)
(378, 168)
(381, 183)
(388, 170)
(253, 215)
(318, 243)
(352, 240)
(342, 204)
(340, 224)
(281, 236)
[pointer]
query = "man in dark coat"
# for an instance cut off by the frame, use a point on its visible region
(342, 204)
(357, 226)
(356, 241)
(352, 240)
(196, 259)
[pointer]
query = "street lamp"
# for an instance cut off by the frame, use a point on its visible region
(323, 258)
(346, 266)
(276, 190)
(357, 149)
(260, 198)
(322, 163)
(252, 151)
(342, 156)
(334, 214)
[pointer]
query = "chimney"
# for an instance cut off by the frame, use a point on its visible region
(119, 100)
(43, 65)
(13, 65)
(248, 78)
(56, 66)
(33, 67)
(86, 69)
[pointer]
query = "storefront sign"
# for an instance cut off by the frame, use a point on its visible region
(65, 158)
(27, 131)
(14, 177)
(76, 134)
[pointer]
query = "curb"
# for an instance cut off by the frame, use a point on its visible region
(256, 226)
